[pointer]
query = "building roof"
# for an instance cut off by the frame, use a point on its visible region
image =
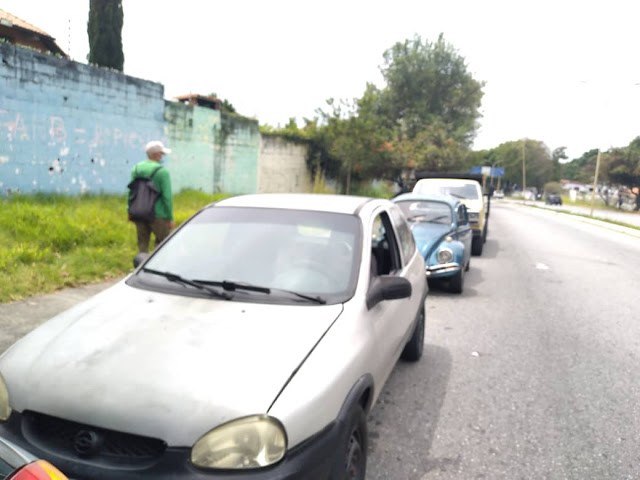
(200, 100)
(10, 23)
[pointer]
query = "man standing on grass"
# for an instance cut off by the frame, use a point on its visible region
(163, 222)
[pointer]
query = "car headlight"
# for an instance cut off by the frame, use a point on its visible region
(250, 442)
(444, 255)
(5, 409)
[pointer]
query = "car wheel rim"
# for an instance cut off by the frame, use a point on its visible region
(354, 459)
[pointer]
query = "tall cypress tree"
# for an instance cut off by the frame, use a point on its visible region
(105, 33)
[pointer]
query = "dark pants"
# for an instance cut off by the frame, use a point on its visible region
(160, 227)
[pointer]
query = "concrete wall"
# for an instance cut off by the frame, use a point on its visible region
(71, 128)
(282, 166)
(211, 152)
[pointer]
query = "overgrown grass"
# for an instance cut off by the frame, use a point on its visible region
(48, 242)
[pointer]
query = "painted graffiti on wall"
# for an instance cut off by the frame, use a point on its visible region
(78, 154)
(55, 131)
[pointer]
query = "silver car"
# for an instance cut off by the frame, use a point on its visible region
(251, 344)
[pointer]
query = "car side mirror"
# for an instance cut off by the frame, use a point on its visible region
(139, 258)
(387, 287)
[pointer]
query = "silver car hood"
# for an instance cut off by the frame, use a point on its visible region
(159, 365)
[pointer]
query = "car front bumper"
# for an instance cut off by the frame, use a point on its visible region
(442, 270)
(313, 459)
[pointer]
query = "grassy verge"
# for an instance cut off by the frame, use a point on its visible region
(48, 242)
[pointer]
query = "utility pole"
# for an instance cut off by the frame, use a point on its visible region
(595, 183)
(524, 171)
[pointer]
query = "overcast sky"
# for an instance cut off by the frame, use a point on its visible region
(563, 72)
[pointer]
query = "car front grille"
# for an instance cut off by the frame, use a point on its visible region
(94, 444)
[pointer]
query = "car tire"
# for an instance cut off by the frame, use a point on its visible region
(476, 246)
(414, 347)
(354, 466)
(456, 284)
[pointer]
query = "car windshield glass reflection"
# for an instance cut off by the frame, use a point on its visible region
(430, 212)
(314, 254)
(467, 191)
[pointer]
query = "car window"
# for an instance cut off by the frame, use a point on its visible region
(385, 256)
(309, 252)
(463, 218)
(405, 237)
(469, 191)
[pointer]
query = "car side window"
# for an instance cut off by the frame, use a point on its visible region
(385, 257)
(407, 242)
(463, 218)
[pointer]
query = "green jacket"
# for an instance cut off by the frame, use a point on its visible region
(164, 205)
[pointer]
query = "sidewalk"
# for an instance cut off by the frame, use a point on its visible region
(19, 318)
(601, 217)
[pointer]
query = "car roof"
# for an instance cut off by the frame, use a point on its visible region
(430, 197)
(347, 204)
(449, 181)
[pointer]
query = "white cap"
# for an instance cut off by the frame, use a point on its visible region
(156, 147)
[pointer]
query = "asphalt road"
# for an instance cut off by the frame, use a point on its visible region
(532, 373)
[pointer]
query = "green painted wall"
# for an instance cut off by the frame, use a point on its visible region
(211, 152)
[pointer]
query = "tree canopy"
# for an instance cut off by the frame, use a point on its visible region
(424, 117)
(106, 18)
(428, 83)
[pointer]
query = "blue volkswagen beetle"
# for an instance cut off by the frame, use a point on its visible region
(440, 226)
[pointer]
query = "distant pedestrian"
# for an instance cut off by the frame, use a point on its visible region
(163, 223)
(620, 200)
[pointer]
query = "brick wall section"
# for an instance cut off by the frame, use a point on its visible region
(282, 166)
(69, 127)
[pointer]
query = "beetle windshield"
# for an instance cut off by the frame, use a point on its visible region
(311, 253)
(425, 211)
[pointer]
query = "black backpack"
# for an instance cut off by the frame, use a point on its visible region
(143, 195)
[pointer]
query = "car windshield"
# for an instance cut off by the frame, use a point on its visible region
(426, 211)
(465, 191)
(311, 254)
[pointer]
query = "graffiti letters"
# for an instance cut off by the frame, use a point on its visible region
(16, 129)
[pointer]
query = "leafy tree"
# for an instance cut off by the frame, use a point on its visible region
(623, 167)
(581, 169)
(356, 135)
(429, 82)
(556, 156)
(226, 105)
(105, 33)
(537, 162)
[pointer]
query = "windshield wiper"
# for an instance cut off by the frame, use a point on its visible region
(232, 286)
(315, 299)
(173, 277)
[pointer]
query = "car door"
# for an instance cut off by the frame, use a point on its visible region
(464, 233)
(392, 320)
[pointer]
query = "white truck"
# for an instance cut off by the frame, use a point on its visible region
(466, 187)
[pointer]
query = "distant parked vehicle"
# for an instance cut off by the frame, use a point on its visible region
(440, 225)
(468, 189)
(498, 194)
(553, 199)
